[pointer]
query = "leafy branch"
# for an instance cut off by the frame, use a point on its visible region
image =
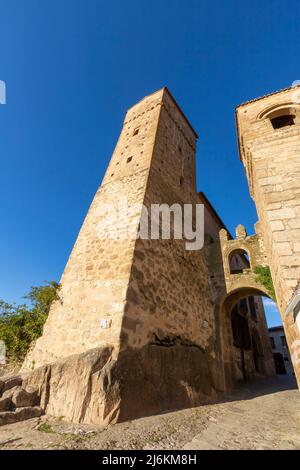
(20, 325)
(263, 276)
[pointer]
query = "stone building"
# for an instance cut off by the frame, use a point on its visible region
(145, 325)
(269, 142)
(281, 355)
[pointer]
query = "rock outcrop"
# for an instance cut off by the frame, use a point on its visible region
(79, 387)
(101, 387)
(20, 414)
(17, 400)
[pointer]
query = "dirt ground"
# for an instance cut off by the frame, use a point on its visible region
(261, 415)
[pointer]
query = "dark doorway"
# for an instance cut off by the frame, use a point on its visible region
(240, 330)
(257, 351)
(241, 336)
(279, 364)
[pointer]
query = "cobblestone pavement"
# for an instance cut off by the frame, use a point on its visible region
(263, 415)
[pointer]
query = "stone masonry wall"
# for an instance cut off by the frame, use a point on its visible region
(95, 280)
(272, 161)
(169, 298)
(163, 271)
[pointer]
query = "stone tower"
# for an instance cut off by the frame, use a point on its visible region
(120, 342)
(269, 142)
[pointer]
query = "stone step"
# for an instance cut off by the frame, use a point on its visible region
(20, 414)
(22, 396)
(8, 382)
(18, 402)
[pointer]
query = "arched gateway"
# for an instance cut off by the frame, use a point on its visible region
(245, 350)
(245, 346)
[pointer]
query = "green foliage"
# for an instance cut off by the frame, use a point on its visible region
(20, 324)
(45, 427)
(263, 276)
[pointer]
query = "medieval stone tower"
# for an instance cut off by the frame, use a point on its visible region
(142, 306)
(269, 141)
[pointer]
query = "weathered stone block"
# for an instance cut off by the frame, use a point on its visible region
(270, 180)
(287, 213)
(22, 397)
(284, 248)
(276, 225)
(75, 387)
(20, 414)
(6, 404)
(6, 383)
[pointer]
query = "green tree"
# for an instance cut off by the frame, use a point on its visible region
(22, 324)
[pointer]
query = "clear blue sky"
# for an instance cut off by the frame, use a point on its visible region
(73, 67)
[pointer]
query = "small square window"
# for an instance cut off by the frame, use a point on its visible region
(129, 159)
(136, 131)
(282, 121)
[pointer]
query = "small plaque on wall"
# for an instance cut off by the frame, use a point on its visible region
(105, 323)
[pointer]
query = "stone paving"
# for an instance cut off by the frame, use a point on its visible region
(262, 415)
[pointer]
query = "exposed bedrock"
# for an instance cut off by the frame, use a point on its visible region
(97, 388)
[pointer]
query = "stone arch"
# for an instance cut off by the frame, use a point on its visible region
(247, 284)
(279, 110)
(243, 262)
(226, 306)
(253, 246)
(280, 116)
